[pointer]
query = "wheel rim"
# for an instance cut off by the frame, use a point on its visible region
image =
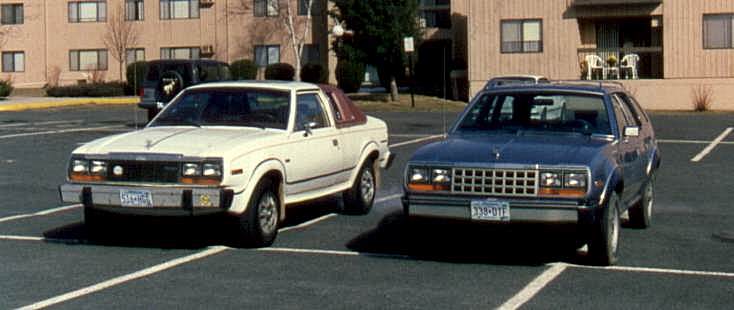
(268, 213)
(614, 229)
(367, 186)
(650, 198)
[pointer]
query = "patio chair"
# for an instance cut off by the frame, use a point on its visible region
(595, 63)
(629, 65)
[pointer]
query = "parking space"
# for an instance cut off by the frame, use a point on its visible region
(323, 259)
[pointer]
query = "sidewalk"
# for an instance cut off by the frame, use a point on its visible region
(31, 103)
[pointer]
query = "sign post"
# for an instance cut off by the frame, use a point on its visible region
(409, 48)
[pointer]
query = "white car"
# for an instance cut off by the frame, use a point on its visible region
(517, 79)
(246, 149)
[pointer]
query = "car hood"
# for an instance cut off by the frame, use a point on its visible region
(187, 141)
(514, 149)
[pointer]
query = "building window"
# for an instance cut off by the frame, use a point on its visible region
(87, 11)
(13, 61)
(134, 10)
(134, 54)
(266, 8)
(266, 55)
(717, 31)
(522, 36)
(435, 13)
(12, 14)
(311, 54)
(179, 9)
(315, 7)
(86, 60)
(180, 53)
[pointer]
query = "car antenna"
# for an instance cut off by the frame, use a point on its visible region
(443, 102)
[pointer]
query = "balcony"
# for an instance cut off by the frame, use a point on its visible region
(648, 66)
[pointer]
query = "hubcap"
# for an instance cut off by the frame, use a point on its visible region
(367, 186)
(268, 213)
(614, 229)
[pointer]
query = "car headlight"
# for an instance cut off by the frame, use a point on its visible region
(422, 178)
(565, 184)
(203, 173)
(85, 170)
(574, 180)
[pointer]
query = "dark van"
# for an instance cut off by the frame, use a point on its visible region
(167, 77)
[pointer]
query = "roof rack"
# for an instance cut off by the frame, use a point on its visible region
(599, 84)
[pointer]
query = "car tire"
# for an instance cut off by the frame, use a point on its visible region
(641, 213)
(258, 225)
(358, 200)
(604, 243)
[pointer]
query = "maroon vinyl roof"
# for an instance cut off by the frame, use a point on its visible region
(347, 113)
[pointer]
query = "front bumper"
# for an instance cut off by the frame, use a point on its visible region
(521, 210)
(171, 201)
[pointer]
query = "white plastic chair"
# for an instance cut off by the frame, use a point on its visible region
(594, 62)
(629, 64)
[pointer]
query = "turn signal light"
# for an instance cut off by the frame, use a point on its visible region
(563, 192)
(428, 187)
(200, 181)
(85, 177)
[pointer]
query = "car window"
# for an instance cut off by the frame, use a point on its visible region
(208, 72)
(310, 110)
(634, 107)
(631, 116)
(624, 113)
(333, 102)
(537, 112)
(228, 107)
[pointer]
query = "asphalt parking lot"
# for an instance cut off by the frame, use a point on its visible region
(326, 260)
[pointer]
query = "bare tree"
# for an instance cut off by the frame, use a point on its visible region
(121, 35)
(298, 28)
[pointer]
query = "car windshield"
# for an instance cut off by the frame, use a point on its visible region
(245, 107)
(537, 112)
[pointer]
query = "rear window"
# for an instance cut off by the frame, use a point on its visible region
(537, 112)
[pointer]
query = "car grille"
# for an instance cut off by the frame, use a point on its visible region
(149, 172)
(501, 182)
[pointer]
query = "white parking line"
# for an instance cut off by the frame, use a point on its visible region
(388, 198)
(308, 223)
(39, 213)
(530, 290)
(51, 132)
(414, 141)
(126, 278)
(712, 146)
(40, 123)
(660, 270)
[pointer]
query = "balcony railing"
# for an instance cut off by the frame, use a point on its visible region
(614, 2)
(648, 66)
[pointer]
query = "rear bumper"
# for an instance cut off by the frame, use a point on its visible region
(171, 201)
(521, 210)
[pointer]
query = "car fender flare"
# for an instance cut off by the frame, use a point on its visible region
(614, 178)
(370, 148)
(271, 165)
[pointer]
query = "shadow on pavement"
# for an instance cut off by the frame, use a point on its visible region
(464, 242)
(175, 232)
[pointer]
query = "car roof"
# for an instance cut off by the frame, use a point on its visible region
(279, 85)
(185, 61)
(587, 87)
(519, 76)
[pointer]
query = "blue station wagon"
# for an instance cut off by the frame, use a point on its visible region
(553, 154)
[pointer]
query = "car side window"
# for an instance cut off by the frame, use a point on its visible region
(622, 115)
(333, 102)
(310, 110)
(633, 118)
(634, 107)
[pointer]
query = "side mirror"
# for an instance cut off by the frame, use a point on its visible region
(631, 131)
(308, 127)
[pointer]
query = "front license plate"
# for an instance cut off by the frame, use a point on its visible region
(136, 198)
(490, 210)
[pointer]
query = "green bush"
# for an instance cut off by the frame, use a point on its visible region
(243, 69)
(105, 89)
(314, 73)
(6, 87)
(349, 75)
(280, 71)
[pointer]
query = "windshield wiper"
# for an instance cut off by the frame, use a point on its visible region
(181, 122)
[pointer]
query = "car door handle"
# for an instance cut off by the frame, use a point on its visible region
(335, 142)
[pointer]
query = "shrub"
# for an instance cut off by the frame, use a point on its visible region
(349, 75)
(6, 87)
(314, 73)
(135, 74)
(108, 89)
(280, 71)
(703, 98)
(243, 69)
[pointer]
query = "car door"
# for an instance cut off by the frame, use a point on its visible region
(647, 133)
(629, 152)
(315, 160)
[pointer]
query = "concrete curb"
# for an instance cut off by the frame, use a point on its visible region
(37, 105)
